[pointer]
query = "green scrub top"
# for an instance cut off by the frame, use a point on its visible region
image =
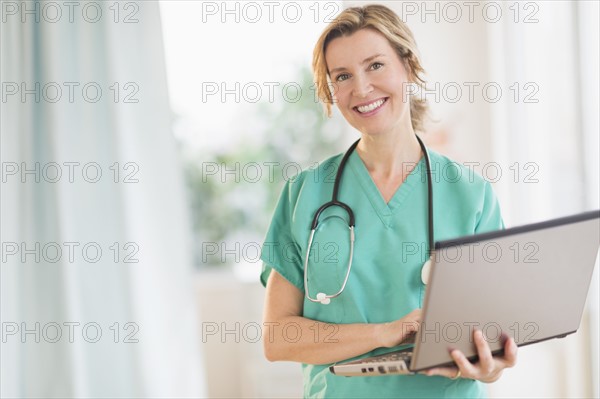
(390, 248)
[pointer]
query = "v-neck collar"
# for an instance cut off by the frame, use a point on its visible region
(383, 210)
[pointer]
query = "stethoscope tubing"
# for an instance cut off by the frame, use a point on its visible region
(325, 298)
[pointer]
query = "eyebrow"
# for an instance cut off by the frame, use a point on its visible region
(366, 60)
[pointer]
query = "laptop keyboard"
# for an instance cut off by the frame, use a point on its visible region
(405, 355)
(391, 357)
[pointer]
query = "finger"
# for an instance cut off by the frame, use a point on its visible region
(486, 361)
(510, 353)
(467, 368)
(449, 372)
(509, 357)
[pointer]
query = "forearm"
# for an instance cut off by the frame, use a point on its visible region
(296, 338)
(289, 336)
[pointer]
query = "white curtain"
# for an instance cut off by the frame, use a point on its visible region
(81, 171)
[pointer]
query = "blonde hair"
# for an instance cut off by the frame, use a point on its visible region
(383, 20)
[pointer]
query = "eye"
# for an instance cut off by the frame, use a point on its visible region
(376, 65)
(341, 77)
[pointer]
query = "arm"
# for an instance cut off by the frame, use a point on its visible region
(315, 342)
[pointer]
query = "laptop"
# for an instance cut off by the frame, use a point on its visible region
(530, 282)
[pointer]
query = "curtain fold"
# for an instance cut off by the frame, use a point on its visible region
(96, 260)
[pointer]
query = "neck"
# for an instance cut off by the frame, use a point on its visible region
(389, 156)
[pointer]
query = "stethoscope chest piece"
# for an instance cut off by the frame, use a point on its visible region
(425, 271)
(323, 298)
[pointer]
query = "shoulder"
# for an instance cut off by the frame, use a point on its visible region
(462, 193)
(316, 177)
(449, 172)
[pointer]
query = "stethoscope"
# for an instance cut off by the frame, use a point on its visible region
(325, 298)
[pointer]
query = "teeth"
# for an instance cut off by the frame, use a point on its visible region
(370, 107)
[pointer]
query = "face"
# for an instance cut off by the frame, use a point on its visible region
(369, 83)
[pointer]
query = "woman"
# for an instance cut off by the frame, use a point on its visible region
(370, 57)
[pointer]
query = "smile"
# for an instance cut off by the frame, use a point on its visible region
(363, 109)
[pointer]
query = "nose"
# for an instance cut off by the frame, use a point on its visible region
(362, 86)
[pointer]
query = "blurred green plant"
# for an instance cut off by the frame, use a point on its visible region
(230, 211)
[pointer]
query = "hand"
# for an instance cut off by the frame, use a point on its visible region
(487, 369)
(393, 333)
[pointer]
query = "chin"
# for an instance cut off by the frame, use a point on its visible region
(373, 130)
